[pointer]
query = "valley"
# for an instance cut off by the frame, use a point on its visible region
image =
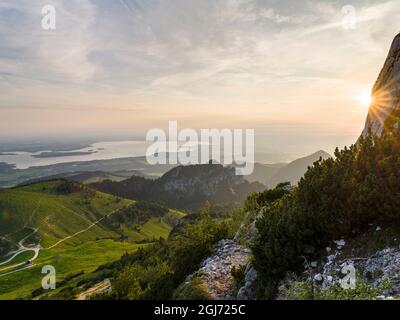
(81, 220)
(11, 176)
(154, 152)
(69, 226)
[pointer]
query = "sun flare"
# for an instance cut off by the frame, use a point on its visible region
(365, 98)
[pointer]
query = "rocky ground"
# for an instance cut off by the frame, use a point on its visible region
(215, 271)
(376, 270)
(382, 266)
(100, 288)
(248, 291)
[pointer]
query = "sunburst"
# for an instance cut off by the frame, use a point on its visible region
(365, 98)
(382, 100)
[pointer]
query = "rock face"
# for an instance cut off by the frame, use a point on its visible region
(248, 291)
(186, 187)
(375, 270)
(196, 184)
(380, 270)
(386, 92)
(215, 271)
(384, 265)
(100, 288)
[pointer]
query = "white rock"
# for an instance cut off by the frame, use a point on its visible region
(340, 243)
(378, 228)
(318, 277)
(328, 249)
(314, 264)
(331, 257)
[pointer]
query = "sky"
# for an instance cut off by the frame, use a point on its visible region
(298, 72)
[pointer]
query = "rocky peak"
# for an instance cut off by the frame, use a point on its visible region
(386, 92)
(215, 273)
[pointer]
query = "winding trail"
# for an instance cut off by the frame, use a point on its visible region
(79, 232)
(15, 271)
(37, 248)
(71, 236)
(23, 249)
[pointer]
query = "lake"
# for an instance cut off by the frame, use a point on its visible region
(96, 151)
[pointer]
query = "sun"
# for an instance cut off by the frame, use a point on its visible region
(365, 98)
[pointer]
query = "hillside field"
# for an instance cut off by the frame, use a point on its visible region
(62, 223)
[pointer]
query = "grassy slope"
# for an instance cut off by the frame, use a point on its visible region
(67, 261)
(58, 216)
(155, 228)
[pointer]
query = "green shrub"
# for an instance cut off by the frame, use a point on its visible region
(156, 271)
(142, 283)
(363, 291)
(192, 290)
(238, 275)
(335, 198)
(301, 290)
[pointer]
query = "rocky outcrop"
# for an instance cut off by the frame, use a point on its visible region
(193, 185)
(186, 187)
(374, 270)
(247, 230)
(100, 288)
(248, 291)
(383, 266)
(386, 92)
(215, 271)
(379, 271)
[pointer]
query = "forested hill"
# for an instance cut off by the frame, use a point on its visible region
(186, 187)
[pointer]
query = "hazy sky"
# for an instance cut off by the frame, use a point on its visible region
(287, 68)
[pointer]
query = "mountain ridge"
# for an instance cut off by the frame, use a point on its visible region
(385, 93)
(272, 174)
(186, 187)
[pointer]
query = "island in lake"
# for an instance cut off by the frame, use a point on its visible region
(7, 154)
(59, 154)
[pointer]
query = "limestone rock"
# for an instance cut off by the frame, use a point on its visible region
(386, 93)
(247, 292)
(215, 271)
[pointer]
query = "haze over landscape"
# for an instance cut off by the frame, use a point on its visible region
(91, 210)
(119, 68)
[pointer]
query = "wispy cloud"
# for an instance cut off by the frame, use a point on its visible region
(362, 14)
(271, 14)
(275, 59)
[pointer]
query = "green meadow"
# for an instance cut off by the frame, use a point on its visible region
(66, 220)
(84, 258)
